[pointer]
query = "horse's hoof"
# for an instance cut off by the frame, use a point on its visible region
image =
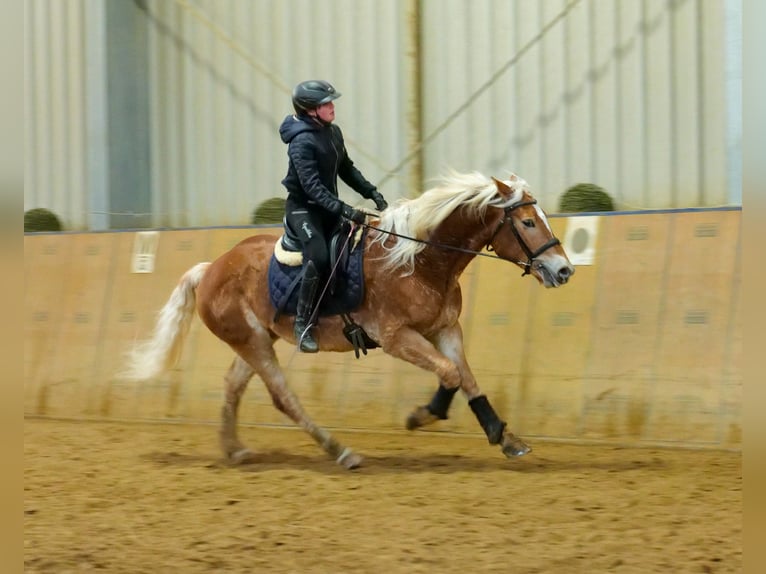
(420, 417)
(514, 446)
(242, 456)
(349, 459)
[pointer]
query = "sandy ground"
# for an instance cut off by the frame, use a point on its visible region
(158, 498)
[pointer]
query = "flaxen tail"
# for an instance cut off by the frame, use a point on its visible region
(161, 352)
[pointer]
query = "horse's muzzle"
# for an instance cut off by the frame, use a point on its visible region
(554, 275)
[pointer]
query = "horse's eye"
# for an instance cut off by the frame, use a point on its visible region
(528, 222)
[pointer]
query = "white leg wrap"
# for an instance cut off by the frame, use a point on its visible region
(344, 455)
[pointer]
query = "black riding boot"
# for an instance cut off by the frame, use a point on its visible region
(309, 284)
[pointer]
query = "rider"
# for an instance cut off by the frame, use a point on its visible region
(317, 156)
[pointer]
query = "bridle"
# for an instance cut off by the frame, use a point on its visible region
(531, 255)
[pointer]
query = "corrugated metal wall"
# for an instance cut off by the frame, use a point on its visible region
(222, 73)
(55, 109)
(626, 94)
(629, 94)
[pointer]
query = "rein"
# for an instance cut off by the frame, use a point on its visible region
(527, 251)
(439, 245)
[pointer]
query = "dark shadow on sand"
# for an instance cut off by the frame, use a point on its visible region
(416, 463)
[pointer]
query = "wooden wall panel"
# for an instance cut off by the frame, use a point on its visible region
(46, 257)
(617, 381)
(557, 337)
(134, 300)
(692, 334)
(644, 346)
(79, 277)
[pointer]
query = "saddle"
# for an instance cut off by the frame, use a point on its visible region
(345, 288)
(288, 250)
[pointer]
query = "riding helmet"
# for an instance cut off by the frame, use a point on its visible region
(311, 94)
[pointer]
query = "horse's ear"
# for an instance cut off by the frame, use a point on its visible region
(502, 188)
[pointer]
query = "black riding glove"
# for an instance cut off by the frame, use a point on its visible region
(354, 215)
(380, 202)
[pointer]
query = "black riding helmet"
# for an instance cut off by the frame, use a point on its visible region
(312, 94)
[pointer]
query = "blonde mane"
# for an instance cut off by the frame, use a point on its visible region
(418, 217)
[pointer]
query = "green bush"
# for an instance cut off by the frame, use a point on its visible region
(585, 197)
(270, 211)
(41, 219)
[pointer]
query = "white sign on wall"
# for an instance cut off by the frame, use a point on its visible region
(144, 251)
(580, 239)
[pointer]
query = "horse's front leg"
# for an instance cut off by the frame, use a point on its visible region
(450, 343)
(496, 428)
(436, 410)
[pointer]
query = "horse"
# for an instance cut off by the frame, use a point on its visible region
(414, 254)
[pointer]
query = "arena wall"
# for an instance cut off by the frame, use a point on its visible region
(642, 347)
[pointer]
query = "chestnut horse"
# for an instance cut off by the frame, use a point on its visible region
(414, 254)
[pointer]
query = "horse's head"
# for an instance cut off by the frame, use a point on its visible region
(524, 236)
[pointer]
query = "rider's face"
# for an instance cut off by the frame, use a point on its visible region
(326, 112)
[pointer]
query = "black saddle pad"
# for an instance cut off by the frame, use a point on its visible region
(346, 297)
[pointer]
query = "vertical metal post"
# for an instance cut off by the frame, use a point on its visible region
(127, 71)
(733, 48)
(97, 164)
(414, 107)
(119, 138)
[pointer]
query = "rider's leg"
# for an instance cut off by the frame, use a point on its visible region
(303, 335)
(310, 228)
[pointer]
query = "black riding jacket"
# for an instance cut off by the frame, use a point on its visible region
(317, 157)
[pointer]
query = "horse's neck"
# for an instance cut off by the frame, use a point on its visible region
(449, 242)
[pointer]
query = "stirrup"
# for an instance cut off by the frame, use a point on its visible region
(306, 341)
(308, 345)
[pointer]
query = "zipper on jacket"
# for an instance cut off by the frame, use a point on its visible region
(337, 161)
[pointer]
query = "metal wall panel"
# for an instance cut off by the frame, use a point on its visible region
(616, 93)
(54, 112)
(223, 72)
(631, 153)
(627, 94)
(577, 101)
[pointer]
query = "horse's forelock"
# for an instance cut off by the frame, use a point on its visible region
(518, 186)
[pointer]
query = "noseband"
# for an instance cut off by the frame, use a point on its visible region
(531, 255)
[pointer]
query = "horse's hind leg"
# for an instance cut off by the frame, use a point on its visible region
(259, 354)
(236, 380)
